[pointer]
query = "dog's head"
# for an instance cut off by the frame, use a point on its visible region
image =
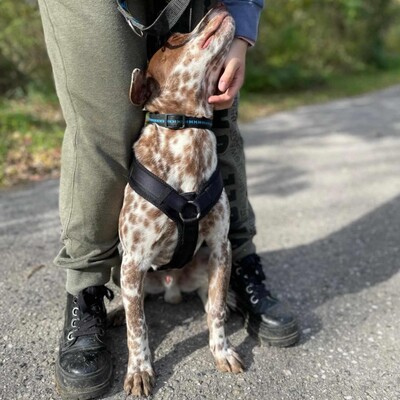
(184, 72)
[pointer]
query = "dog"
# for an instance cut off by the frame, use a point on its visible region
(179, 79)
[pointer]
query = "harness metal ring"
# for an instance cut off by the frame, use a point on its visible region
(192, 219)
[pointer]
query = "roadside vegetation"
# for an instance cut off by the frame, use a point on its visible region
(308, 52)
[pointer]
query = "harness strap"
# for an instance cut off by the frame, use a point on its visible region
(185, 209)
(188, 233)
(163, 24)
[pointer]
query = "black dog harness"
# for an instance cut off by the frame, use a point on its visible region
(185, 209)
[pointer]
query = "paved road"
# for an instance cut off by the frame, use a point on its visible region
(325, 183)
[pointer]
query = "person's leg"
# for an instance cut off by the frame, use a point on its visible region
(265, 316)
(233, 168)
(93, 52)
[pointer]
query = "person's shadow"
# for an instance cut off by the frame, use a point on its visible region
(355, 258)
(361, 255)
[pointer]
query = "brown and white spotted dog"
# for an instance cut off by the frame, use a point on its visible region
(179, 79)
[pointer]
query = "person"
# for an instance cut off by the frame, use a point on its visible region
(93, 52)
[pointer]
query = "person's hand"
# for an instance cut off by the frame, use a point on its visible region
(232, 78)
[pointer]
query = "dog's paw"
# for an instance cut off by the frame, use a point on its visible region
(229, 361)
(139, 383)
(173, 298)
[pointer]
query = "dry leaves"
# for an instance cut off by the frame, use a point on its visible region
(24, 165)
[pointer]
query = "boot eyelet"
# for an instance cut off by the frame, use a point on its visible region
(238, 270)
(69, 336)
(75, 311)
(73, 322)
(253, 300)
(249, 289)
(101, 332)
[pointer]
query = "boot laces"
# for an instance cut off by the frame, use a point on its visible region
(251, 273)
(89, 312)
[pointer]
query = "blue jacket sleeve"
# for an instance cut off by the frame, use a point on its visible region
(246, 14)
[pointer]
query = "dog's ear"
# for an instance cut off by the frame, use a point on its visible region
(139, 91)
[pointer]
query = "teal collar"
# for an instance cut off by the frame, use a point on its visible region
(177, 121)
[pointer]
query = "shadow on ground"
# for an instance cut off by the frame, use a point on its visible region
(366, 117)
(356, 258)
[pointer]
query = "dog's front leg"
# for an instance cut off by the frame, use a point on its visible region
(139, 379)
(226, 357)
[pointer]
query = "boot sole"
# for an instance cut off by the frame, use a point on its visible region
(286, 337)
(70, 393)
(93, 393)
(282, 337)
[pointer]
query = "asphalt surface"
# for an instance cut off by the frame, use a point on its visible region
(325, 184)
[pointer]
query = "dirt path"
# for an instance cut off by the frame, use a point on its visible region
(325, 183)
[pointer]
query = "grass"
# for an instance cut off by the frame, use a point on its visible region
(31, 129)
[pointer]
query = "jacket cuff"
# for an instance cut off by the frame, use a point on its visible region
(247, 40)
(246, 15)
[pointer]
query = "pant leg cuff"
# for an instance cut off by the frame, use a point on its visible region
(243, 251)
(78, 280)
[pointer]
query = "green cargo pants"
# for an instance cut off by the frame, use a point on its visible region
(93, 52)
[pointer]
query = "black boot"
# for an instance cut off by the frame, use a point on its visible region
(84, 367)
(265, 317)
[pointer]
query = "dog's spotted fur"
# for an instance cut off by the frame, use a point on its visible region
(180, 78)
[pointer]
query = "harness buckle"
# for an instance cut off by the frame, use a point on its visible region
(190, 219)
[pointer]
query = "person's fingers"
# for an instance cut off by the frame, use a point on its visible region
(232, 77)
(225, 100)
(228, 76)
(222, 101)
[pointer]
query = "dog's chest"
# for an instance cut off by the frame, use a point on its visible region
(185, 159)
